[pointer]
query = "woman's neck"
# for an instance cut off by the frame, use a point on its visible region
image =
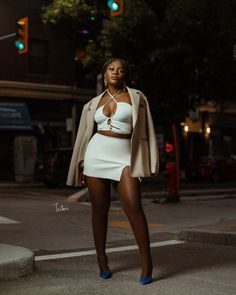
(113, 89)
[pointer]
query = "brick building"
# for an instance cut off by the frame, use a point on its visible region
(37, 89)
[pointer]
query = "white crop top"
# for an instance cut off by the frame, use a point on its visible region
(119, 122)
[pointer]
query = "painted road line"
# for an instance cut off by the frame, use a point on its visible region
(109, 250)
(75, 197)
(126, 224)
(4, 220)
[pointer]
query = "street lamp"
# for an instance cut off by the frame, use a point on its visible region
(208, 130)
(186, 128)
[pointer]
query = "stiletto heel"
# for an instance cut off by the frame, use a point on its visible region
(145, 280)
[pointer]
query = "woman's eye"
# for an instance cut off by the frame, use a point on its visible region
(113, 69)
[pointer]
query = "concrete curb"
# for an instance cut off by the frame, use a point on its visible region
(15, 262)
(208, 237)
(11, 185)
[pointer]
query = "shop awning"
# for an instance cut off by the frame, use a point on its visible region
(14, 116)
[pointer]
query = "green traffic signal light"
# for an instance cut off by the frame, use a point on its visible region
(116, 7)
(19, 45)
(113, 5)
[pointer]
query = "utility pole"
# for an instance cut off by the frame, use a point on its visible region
(7, 36)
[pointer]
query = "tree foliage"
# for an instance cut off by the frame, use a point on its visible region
(180, 51)
(78, 20)
(208, 29)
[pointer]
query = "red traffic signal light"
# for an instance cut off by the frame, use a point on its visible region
(169, 147)
(22, 35)
(116, 7)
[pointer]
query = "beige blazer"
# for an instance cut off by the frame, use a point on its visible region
(144, 151)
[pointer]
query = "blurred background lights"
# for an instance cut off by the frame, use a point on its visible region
(208, 130)
(84, 32)
(186, 128)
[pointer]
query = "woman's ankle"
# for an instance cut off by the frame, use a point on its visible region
(147, 268)
(103, 262)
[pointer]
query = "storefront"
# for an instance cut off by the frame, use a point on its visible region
(34, 118)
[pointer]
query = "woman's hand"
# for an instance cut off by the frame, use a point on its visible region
(82, 179)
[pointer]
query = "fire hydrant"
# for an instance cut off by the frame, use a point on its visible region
(172, 182)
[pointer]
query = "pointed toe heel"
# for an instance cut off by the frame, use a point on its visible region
(105, 275)
(145, 280)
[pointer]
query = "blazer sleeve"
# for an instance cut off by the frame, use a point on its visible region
(75, 154)
(152, 140)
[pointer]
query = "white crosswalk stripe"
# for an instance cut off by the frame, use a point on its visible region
(4, 220)
(109, 250)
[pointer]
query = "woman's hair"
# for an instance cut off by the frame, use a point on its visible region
(124, 63)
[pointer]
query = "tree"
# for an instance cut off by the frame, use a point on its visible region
(78, 20)
(180, 51)
(207, 28)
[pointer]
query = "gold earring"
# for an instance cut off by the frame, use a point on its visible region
(105, 82)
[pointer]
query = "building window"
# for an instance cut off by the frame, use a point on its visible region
(38, 57)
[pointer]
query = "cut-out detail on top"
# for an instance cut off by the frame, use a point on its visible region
(112, 114)
(121, 120)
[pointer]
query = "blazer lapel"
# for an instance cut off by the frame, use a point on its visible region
(94, 104)
(134, 96)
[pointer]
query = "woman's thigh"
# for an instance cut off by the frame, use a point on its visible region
(129, 191)
(99, 192)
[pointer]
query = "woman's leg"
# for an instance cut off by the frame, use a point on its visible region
(130, 196)
(99, 191)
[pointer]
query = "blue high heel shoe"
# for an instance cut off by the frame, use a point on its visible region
(105, 274)
(145, 280)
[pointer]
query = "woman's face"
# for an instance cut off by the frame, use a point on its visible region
(115, 73)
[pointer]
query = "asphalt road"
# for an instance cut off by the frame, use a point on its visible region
(188, 268)
(44, 221)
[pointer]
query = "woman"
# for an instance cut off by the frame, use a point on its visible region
(116, 142)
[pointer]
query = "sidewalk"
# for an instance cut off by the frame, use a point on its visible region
(14, 184)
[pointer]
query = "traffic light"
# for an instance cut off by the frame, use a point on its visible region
(169, 147)
(22, 35)
(116, 7)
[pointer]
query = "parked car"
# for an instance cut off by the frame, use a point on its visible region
(217, 168)
(212, 168)
(52, 166)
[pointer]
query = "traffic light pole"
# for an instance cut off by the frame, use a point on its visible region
(172, 169)
(7, 36)
(176, 157)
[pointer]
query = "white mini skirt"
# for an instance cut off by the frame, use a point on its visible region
(107, 156)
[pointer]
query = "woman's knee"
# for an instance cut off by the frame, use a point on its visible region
(100, 207)
(132, 208)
